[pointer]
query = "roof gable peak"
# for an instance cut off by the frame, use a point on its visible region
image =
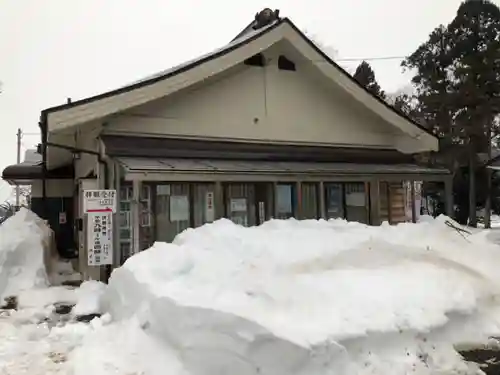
(262, 19)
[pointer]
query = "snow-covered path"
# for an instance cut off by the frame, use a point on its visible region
(38, 342)
(34, 339)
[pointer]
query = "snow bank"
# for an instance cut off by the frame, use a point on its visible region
(121, 348)
(89, 297)
(313, 297)
(23, 238)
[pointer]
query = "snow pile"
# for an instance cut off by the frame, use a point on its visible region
(37, 349)
(122, 348)
(89, 297)
(288, 297)
(310, 297)
(61, 271)
(23, 238)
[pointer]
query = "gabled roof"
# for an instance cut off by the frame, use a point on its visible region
(247, 36)
(165, 74)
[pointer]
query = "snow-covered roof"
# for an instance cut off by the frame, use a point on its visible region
(134, 94)
(250, 34)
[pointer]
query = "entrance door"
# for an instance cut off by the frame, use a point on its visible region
(334, 201)
(240, 204)
(263, 202)
(249, 204)
(356, 197)
(173, 210)
(58, 211)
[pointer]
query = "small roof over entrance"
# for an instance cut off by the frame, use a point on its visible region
(32, 169)
(245, 170)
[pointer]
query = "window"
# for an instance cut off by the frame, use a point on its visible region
(334, 200)
(309, 200)
(125, 219)
(125, 227)
(240, 203)
(285, 201)
(256, 60)
(145, 215)
(172, 210)
(356, 202)
(286, 64)
(347, 201)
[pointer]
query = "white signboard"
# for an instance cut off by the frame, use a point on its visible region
(179, 208)
(163, 190)
(99, 201)
(100, 238)
(355, 199)
(62, 218)
(238, 205)
(284, 198)
(262, 212)
(209, 207)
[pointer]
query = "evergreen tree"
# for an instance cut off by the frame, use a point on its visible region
(365, 76)
(457, 81)
(431, 63)
(408, 106)
(475, 42)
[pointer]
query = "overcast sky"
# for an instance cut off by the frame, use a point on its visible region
(55, 49)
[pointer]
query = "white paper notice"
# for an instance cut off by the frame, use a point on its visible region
(100, 239)
(179, 208)
(163, 190)
(355, 199)
(284, 197)
(209, 207)
(238, 205)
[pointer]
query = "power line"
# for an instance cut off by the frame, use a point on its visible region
(372, 58)
(357, 59)
(351, 59)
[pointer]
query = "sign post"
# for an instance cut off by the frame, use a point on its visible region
(99, 206)
(99, 201)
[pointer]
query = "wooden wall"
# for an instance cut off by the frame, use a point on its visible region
(392, 202)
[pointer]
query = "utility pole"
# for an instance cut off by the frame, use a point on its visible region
(18, 190)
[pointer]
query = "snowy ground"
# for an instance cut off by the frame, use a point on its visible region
(288, 297)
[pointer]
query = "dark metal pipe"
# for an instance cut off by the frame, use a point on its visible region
(43, 129)
(90, 152)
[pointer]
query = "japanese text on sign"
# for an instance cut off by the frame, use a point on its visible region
(99, 201)
(100, 239)
(209, 207)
